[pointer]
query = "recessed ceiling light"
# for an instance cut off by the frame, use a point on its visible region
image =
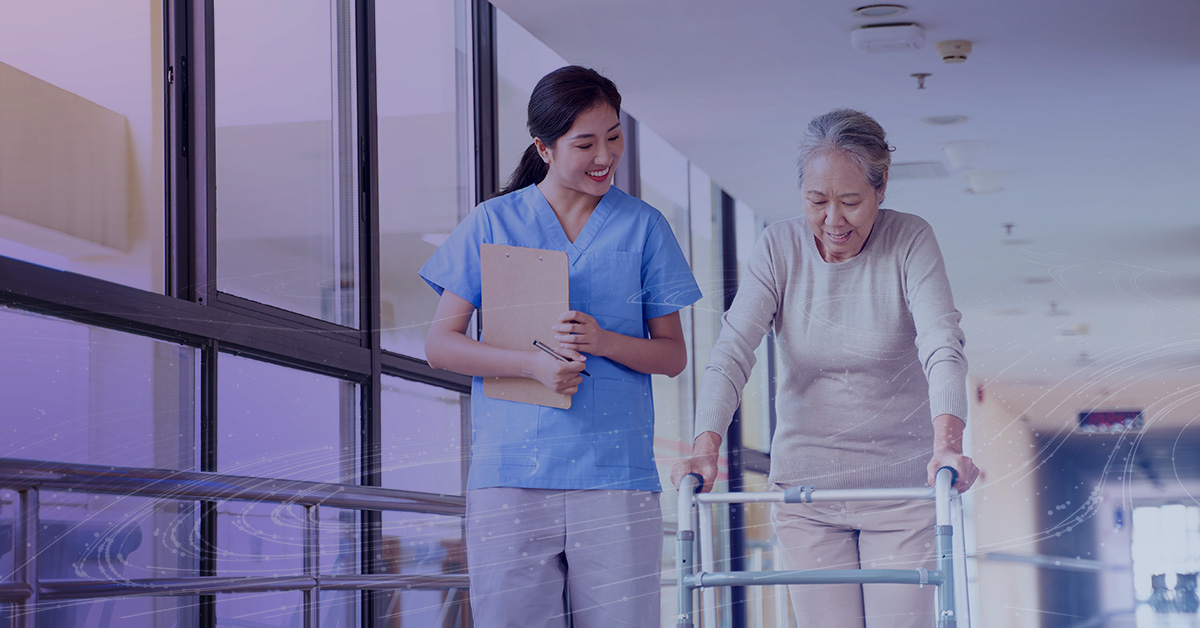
(880, 10)
(944, 120)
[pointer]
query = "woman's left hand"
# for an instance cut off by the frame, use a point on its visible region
(577, 331)
(955, 459)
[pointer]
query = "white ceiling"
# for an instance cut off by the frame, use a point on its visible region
(1091, 109)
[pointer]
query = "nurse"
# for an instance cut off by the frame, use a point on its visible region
(563, 519)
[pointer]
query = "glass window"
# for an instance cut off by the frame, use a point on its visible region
(286, 160)
(421, 544)
(521, 61)
(706, 260)
(422, 438)
(115, 537)
(275, 421)
(423, 165)
(339, 609)
(144, 612)
(267, 539)
(74, 393)
(339, 534)
(272, 609)
(664, 184)
(81, 188)
(756, 398)
(260, 539)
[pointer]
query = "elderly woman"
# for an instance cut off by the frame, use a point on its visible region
(872, 385)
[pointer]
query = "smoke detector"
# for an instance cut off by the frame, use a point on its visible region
(887, 37)
(954, 50)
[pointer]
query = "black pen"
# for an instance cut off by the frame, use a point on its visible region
(541, 345)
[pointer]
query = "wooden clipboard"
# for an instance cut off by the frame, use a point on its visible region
(524, 292)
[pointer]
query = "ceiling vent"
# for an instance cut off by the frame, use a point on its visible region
(887, 37)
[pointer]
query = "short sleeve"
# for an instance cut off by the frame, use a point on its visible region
(667, 281)
(454, 266)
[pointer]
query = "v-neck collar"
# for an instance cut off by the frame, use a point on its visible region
(587, 235)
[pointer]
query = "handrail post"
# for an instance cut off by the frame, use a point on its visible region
(312, 565)
(25, 555)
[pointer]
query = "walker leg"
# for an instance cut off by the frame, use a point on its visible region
(683, 563)
(945, 591)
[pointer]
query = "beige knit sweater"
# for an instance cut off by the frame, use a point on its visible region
(869, 352)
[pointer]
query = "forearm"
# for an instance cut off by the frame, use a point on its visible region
(663, 356)
(948, 433)
(453, 351)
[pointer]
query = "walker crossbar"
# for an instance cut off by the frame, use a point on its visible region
(690, 580)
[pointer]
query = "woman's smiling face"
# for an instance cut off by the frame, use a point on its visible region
(584, 158)
(839, 205)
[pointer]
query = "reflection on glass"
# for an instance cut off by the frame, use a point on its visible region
(143, 612)
(81, 118)
(422, 438)
(287, 213)
(113, 537)
(339, 609)
(260, 539)
(74, 393)
(339, 534)
(421, 182)
(421, 544)
(275, 609)
(274, 421)
(267, 539)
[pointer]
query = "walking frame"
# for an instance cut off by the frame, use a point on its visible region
(942, 576)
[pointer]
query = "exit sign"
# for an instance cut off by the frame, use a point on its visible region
(1112, 421)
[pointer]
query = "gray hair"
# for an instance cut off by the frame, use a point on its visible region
(854, 134)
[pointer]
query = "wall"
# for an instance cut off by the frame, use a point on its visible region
(1004, 504)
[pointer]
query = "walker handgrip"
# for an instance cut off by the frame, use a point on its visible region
(953, 474)
(699, 480)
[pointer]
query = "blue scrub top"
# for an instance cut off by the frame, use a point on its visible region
(625, 268)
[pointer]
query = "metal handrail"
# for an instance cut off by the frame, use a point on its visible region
(21, 474)
(29, 477)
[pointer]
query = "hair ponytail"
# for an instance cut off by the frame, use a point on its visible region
(556, 101)
(531, 170)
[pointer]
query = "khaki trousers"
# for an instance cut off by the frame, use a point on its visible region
(534, 553)
(858, 535)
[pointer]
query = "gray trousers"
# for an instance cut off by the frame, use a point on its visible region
(532, 554)
(858, 535)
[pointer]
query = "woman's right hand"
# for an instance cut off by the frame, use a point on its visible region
(705, 451)
(561, 377)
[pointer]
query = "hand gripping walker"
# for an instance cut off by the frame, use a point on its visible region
(942, 577)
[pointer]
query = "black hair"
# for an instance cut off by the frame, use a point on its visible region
(559, 98)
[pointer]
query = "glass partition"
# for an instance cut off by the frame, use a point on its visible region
(423, 444)
(76, 393)
(81, 116)
(286, 155)
(521, 61)
(279, 422)
(422, 544)
(423, 168)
